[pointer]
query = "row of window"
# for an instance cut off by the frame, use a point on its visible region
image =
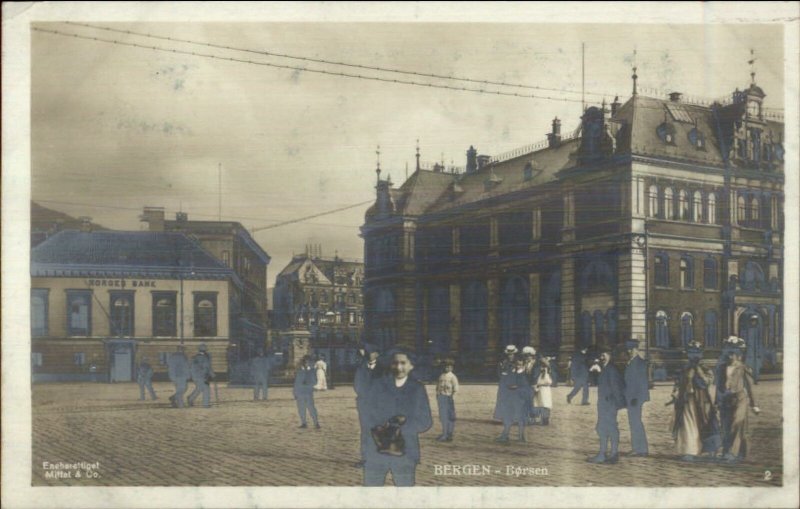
(686, 272)
(121, 312)
(314, 299)
(710, 328)
(79, 358)
(697, 206)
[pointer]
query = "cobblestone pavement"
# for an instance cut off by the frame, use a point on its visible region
(240, 442)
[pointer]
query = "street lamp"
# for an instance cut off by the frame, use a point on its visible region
(329, 319)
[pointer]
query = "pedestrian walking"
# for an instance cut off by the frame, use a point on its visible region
(398, 411)
(637, 392)
(202, 374)
(610, 399)
(144, 377)
(446, 389)
(579, 371)
(543, 396)
(553, 360)
(695, 427)
(260, 368)
(515, 400)
(504, 367)
(305, 379)
(736, 398)
(366, 373)
(532, 372)
(321, 368)
(179, 374)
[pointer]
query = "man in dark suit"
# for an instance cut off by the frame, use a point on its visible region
(637, 391)
(396, 401)
(610, 399)
(366, 373)
(580, 376)
(304, 381)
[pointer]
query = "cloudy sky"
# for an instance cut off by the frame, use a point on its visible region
(115, 127)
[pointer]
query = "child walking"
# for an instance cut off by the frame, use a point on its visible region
(445, 390)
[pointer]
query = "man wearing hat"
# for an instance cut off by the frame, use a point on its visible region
(532, 372)
(366, 372)
(637, 391)
(445, 390)
(260, 367)
(202, 374)
(396, 401)
(504, 368)
(144, 377)
(579, 372)
(305, 378)
(179, 374)
(610, 399)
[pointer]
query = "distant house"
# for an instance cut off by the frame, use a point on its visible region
(46, 222)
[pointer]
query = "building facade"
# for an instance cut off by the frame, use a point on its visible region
(230, 243)
(100, 301)
(322, 295)
(656, 219)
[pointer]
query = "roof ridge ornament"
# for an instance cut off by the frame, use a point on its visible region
(634, 76)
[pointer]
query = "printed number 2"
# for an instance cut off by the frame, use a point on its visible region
(767, 475)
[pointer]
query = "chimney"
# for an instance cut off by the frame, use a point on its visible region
(483, 160)
(472, 159)
(675, 97)
(615, 106)
(181, 217)
(154, 216)
(86, 223)
(554, 137)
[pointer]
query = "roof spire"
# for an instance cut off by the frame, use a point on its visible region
(752, 63)
(417, 154)
(634, 77)
(378, 166)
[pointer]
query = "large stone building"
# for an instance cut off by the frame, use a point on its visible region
(322, 295)
(100, 301)
(657, 219)
(230, 243)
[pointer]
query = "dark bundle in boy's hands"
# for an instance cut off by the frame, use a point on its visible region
(388, 437)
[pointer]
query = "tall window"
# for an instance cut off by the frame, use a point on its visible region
(712, 208)
(710, 328)
(697, 208)
(687, 279)
(79, 312)
(662, 329)
(39, 311)
(683, 204)
(205, 314)
(121, 314)
(164, 313)
(661, 270)
(710, 274)
(653, 201)
(754, 209)
(687, 328)
(669, 207)
(742, 209)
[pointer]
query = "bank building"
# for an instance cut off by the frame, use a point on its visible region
(658, 219)
(103, 300)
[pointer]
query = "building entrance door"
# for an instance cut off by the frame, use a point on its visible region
(121, 363)
(751, 330)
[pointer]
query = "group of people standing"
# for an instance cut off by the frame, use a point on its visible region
(181, 370)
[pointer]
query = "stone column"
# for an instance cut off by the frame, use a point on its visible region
(567, 305)
(631, 297)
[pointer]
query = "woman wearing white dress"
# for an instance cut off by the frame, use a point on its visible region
(543, 397)
(322, 368)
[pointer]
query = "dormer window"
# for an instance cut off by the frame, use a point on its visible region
(666, 132)
(753, 109)
(528, 172)
(697, 139)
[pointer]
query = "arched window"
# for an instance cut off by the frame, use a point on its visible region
(205, 315)
(687, 328)
(683, 204)
(662, 329)
(697, 207)
(669, 211)
(121, 314)
(710, 274)
(653, 201)
(755, 208)
(712, 208)
(742, 209)
(710, 328)
(687, 272)
(515, 312)
(164, 311)
(661, 270)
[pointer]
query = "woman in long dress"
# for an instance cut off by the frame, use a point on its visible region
(695, 425)
(736, 399)
(504, 367)
(543, 396)
(321, 367)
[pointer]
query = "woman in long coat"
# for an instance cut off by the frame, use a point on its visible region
(695, 425)
(515, 398)
(504, 367)
(736, 398)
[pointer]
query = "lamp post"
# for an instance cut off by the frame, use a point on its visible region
(330, 318)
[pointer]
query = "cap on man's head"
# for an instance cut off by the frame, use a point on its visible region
(369, 348)
(399, 350)
(694, 348)
(529, 350)
(202, 348)
(511, 349)
(631, 344)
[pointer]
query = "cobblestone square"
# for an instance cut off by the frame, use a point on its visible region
(240, 442)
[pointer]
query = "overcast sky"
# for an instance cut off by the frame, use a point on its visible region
(115, 128)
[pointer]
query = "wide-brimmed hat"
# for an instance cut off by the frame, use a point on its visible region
(694, 348)
(529, 350)
(734, 344)
(511, 349)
